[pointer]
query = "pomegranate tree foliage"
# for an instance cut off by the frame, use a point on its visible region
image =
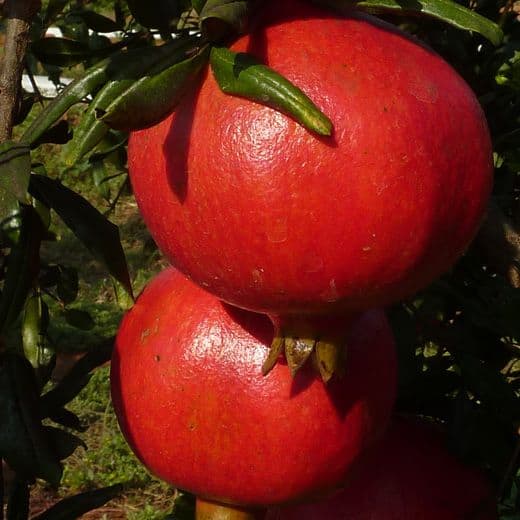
(458, 341)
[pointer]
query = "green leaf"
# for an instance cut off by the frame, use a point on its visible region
(123, 73)
(241, 75)
(232, 12)
(60, 51)
(18, 502)
(60, 133)
(67, 285)
(76, 379)
(79, 319)
(98, 234)
(15, 168)
(54, 8)
(34, 327)
(22, 268)
(198, 5)
(23, 443)
(73, 507)
(153, 97)
(71, 94)
(99, 23)
(63, 443)
(445, 10)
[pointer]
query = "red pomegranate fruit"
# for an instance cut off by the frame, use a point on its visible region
(268, 217)
(194, 407)
(410, 475)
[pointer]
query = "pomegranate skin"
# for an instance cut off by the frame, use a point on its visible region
(269, 217)
(410, 475)
(192, 403)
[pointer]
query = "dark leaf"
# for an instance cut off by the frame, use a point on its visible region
(445, 10)
(18, 502)
(60, 51)
(68, 419)
(67, 284)
(54, 8)
(490, 387)
(198, 5)
(154, 97)
(55, 399)
(73, 507)
(231, 12)
(23, 443)
(98, 22)
(15, 168)
(162, 15)
(60, 133)
(79, 319)
(63, 443)
(98, 234)
(22, 268)
(241, 75)
(25, 107)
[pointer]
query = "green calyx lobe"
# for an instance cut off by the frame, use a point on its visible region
(242, 75)
(301, 342)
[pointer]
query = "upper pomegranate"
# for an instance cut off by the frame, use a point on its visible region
(269, 217)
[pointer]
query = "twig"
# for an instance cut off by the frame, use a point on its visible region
(19, 14)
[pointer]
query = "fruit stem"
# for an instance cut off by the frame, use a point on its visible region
(321, 339)
(206, 510)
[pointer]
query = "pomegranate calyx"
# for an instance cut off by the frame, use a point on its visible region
(300, 339)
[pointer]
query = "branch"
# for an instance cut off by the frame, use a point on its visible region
(19, 14)
(499, 243)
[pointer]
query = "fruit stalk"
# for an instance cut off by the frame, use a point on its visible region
(205, 510)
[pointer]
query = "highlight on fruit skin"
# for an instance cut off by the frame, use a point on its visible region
(410, 475)
(268, 217)
(193, 405)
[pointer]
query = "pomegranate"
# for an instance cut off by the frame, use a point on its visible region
(194, 407)
(270, 218)
(409, 476)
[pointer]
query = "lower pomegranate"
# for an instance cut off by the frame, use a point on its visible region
(193, 405)
(409, 476)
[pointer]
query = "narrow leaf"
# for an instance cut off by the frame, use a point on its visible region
(163, 13)
(445, 10)
(55, 399)
(34, 325)
(231, 12)
(15, 168)
(73, 507)
(23, 443)
(98, 234)
(72, 94)
(153, 97)
(241, 75)
(63, 443)
(99, 23)
(123, 74)
(22, 268)
(18, 502)
(79, 319)
(68, 419)
(60, 51)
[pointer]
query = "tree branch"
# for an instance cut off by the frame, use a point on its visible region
(19, 14)
(499, 243)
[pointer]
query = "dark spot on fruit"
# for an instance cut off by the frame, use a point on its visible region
(157, 357)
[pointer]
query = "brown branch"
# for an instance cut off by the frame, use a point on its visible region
(18, 14)
(499, 243)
